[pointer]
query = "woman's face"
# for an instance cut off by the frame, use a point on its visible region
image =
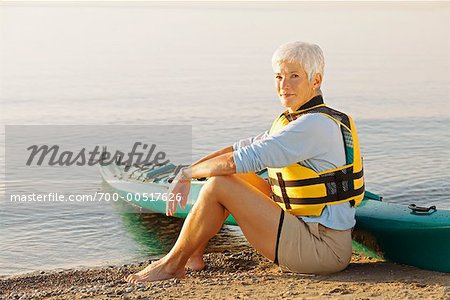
(293, 87)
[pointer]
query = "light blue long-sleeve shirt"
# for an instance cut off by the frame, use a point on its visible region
(313, 140)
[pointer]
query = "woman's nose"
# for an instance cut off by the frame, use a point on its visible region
(284, 83)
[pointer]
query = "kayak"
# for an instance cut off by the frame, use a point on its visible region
(411, 235)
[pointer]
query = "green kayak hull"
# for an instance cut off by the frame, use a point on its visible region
(383, 230)
(400, 235)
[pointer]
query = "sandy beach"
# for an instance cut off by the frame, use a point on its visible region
(234, 275)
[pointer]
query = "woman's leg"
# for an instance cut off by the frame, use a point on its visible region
(196, 261)
(254, 211)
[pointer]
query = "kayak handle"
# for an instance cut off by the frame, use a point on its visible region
(416, 208)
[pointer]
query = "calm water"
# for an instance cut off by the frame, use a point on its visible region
(209, 66)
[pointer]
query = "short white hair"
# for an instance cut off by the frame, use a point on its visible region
(309, 56)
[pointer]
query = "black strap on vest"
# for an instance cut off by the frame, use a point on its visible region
(283, 191)
(322, 200)
(335, 177)
(339, 178)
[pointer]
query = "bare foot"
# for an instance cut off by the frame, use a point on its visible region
(158, 270)
(196, 263)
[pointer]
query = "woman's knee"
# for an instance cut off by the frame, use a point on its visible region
(214, 186)
(216, 183)
(218, 188)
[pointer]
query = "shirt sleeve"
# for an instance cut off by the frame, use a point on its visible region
(301, 139)
(245, 142)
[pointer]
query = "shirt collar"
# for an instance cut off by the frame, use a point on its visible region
(317, 100)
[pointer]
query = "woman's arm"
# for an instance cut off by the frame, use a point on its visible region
(221, 164)
(248, 141)
(214, 154)
(225, 164)
(310, 136)
(217, 163)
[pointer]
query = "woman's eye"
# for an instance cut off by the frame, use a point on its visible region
(295, 76)
(278, 77)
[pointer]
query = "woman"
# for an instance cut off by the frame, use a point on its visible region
(302, 217)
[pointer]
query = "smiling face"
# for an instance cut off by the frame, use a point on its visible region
(293, 86)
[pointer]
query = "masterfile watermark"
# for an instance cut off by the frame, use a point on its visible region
(95, 197)
(56, 161)
(85, 157)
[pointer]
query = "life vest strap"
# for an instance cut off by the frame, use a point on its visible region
(335, 177)
(339, 116)
(321, 200)
(283, 191)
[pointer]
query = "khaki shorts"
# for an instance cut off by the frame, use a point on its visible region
(311, 248)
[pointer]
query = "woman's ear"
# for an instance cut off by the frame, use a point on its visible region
(317, 81)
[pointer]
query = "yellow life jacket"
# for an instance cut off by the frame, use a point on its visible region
(303, 192)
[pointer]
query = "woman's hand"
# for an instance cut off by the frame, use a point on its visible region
(222, 164)
(178, 192)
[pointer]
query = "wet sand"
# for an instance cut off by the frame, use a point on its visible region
(242, 274)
